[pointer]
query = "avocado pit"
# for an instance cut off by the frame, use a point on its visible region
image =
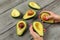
(30, 12)
(21, 25)
(45, 17)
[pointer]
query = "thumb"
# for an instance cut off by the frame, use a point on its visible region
(49, 17)
(31, 31)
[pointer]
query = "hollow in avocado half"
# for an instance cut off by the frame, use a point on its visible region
(34, 5)
(21, 27)
(38, 27)
(15, 13)
(29, 14)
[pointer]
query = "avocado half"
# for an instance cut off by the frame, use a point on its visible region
(21, 27)
(15, 13)
(34, 5)
(29, 14)
(45, 14)
(38, 27)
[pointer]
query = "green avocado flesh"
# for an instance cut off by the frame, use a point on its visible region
(38, 27)
(21, 27)
(29, 14)
(34, 5)
(15, 13)
(42, 16)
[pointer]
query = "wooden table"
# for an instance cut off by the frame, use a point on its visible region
(8, 24)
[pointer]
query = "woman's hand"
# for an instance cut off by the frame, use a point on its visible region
(53, 16)
(34, 34)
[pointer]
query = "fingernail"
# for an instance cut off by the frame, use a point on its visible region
(46, 18)
(30, 25)
(39, 17)
(44, 30)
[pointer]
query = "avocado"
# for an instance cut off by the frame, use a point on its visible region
(43, 17)
(29, 14)
(38, 27)
(15, 13)
(34, 5)
(21, 27)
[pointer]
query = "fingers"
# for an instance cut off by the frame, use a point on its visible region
(56, 21)
(31, 31)
(51, 14)
(34, 34)
(49, 17)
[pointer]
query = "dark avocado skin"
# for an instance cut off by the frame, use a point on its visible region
(33, 8)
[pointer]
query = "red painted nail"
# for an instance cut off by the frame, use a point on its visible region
(44, 30)
(30, 24)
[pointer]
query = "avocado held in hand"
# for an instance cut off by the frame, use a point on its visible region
(34, 5)
(21, 27)
(44, 16)
(29, 14)
(15, 13)
(38, 27)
